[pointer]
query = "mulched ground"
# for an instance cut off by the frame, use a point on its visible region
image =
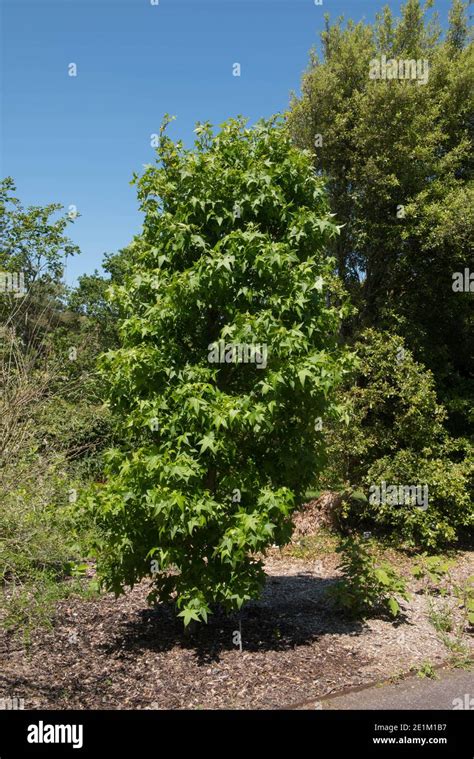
(107, 654)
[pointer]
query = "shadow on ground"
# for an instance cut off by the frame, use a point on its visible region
(292, 612)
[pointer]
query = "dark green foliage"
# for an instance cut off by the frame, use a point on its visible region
(398, 160)
(450, 510)
(391, 405)
(395, 435)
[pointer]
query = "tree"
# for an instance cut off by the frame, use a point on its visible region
(229, 353)
(397, 156)
(49, 400)
(89, 298)
(33, 246)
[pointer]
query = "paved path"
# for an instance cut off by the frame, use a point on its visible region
(413, 693)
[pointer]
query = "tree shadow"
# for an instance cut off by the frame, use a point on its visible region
(293, 611)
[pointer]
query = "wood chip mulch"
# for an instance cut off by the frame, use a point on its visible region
(121, 654)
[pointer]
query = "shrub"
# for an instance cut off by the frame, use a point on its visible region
(366, 587)
(39, 542)
(394, 434)
(450, 508)
(390, 405)
(40, 539)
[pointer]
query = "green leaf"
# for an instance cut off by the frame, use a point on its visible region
(302, 374)
(189, 614)
(207, 442)
(382, 576)
(393, 606)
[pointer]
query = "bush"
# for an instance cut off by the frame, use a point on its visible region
(366, 587)
(390, 405)
(40, 539)
(394, 435)
(33, 520)
(40, 545)
(217, 455)
(450, 507)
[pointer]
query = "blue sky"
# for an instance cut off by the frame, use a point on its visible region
(78, 140)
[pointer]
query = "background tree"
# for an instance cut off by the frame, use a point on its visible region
(89, 298)
(397, 156)
(33, 243)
